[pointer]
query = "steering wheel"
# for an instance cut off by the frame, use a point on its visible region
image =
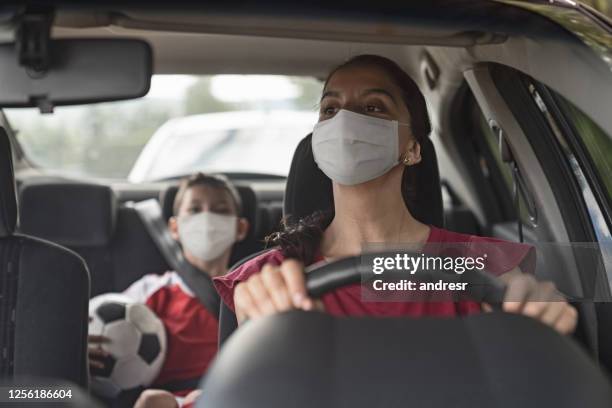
(320, 279)
(480, 285)
(302, 359)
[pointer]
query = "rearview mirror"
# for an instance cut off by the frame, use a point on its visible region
(79, 71)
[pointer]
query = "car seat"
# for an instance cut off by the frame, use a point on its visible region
(44, 292)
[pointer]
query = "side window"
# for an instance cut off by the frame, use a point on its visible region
(597, 143)
(587, 149)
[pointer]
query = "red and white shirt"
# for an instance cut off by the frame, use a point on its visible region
(191, 330)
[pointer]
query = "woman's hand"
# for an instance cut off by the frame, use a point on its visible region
(539, 300)
(275, 289)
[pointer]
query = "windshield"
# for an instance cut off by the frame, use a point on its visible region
(228, 123)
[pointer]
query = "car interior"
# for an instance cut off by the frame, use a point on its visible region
(507, 85)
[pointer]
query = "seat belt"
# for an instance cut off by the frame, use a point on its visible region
(199, 282)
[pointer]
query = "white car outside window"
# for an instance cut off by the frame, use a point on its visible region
(256, 142)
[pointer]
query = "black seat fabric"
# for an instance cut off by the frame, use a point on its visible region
(309, 189)
(44, 294)
(80, 216)
(252, 243)
(112, 239)
(83, 214)
(134, 253)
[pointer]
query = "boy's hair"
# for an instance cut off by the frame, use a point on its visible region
(210, 180)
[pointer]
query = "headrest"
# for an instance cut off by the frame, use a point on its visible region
(166, 201)
(8, 198)
(68, 213)
(309, 189)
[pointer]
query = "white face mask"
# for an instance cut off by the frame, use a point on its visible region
(352, 148)
(207, 235)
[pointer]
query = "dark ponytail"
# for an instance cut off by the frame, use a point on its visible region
(300, 237)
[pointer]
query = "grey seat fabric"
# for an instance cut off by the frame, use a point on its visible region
(44, 291)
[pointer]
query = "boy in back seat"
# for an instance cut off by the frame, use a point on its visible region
(206, 223)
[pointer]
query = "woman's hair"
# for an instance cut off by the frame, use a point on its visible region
(300, 238)
(216, 181)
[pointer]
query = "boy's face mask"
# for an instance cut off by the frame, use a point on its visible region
(207, 235)
(352, 148)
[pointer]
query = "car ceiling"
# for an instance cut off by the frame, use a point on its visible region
(294, 39)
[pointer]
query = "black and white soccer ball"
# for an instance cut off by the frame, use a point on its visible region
(137, 345)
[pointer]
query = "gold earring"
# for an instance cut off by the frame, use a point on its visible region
(407, 160)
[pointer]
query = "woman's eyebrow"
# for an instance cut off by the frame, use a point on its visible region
(380, 91)
(334, 94)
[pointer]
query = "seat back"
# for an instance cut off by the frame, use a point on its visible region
(79, 216)
(44, 292)
(134, 252)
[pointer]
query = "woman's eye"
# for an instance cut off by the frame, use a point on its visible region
(330, 110)
(373, 109)
(194, 210)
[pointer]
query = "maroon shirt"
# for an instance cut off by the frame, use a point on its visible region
(502, 256)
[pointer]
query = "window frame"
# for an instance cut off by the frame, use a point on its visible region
(579, 149)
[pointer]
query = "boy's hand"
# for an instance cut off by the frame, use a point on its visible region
(156, 399)
(96, 353)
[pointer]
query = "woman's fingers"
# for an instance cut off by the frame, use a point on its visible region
(566, 324)
(244, 304)
(541, 301)
(541, 297)
(275, 284)
(260, 294)
(274, 289)
(293, 274)
(517, 292)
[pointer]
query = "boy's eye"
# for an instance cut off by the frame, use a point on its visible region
(221, 210)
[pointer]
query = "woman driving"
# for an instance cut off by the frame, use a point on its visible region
(372, 124)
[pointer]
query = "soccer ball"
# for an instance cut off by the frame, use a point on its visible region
(137, 345)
